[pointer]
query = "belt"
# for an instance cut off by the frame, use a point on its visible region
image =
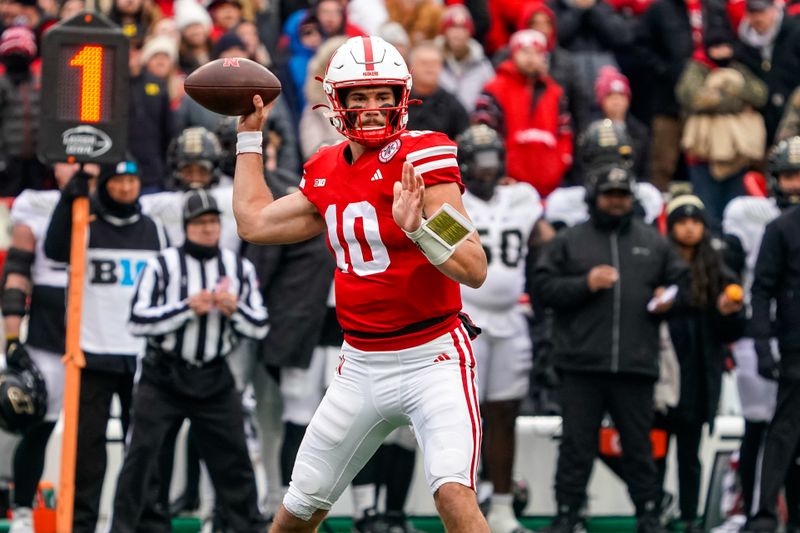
(407, 330)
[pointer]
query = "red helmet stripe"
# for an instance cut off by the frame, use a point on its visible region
(369, 60)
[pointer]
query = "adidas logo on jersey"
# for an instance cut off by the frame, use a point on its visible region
(377, 176)
(443, 357)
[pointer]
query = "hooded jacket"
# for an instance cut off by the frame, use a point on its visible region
(609, 330)
(563, 68)
(532, 115)
(119, 246)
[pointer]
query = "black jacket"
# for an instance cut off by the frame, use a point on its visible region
(596, 29)
(440, 111)
(117, 250)
(777, 277)
(609, 330)
(781, 73)
(700, 338)
(664, 45)
(150, 127)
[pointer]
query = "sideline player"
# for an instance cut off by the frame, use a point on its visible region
(34, 286)
(406, 358)
(506, 217)
(743, 224)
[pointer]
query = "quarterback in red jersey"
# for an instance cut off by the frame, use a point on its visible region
(390, 203)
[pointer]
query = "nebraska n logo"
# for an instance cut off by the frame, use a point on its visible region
(377, 176)
(230, 62)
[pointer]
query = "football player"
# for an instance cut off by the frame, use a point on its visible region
(390, 203)
(743, 224)
(505, 217)
(194, 158)
(34, 286)
(603, 143)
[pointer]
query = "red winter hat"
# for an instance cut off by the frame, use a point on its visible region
(610, 80)
(525, 38)
(457, 16)
(532, 9)
(18, 40)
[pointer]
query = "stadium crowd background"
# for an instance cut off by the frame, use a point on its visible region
(647, 65)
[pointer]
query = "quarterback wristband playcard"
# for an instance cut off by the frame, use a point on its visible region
(448, 226)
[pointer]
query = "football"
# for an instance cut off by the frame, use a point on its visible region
(227, 85)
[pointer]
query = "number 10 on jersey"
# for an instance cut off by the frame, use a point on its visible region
(360, 235)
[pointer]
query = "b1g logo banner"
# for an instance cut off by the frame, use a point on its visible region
(115, 271)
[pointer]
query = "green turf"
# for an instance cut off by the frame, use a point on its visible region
(427, 524)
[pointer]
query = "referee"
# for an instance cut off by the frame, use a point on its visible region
(193, 303)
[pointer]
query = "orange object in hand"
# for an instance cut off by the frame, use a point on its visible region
(734, 292)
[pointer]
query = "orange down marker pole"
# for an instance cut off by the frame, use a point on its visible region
(74, 361)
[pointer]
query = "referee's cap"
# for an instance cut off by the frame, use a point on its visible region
(198, 202)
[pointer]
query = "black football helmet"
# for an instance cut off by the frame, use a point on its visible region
(23, 398)
(481, 159)
(195, 145)
(784, 158)
(605, 143)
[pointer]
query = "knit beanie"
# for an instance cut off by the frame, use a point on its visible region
(609, 81)
(228, 41)
(188, 12)
(457, 15)
(685, 206)
(528, 38)
(159, 45)
(18, 40)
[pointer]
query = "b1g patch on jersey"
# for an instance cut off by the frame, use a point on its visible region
(389, 151)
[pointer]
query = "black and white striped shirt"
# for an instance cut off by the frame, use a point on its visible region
(160, 308)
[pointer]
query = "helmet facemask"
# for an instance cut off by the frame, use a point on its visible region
(349, 121)
(482, 173)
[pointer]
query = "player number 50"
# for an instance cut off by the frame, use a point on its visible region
(376, 259)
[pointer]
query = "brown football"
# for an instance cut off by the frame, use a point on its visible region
(227, 86)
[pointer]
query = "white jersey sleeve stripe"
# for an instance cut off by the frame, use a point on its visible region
(436, 165)
(433, 151)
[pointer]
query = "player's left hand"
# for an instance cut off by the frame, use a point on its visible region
(409, 199)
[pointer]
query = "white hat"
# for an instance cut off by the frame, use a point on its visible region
(188, 12)
(159, 45)
(394, 33)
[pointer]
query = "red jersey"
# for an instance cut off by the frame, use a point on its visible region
(388, 295)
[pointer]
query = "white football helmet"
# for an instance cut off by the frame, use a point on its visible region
(367, 61)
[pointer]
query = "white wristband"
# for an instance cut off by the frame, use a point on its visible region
(250, 142)
(436, 252)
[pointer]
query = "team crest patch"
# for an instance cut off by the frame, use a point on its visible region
(389, 151)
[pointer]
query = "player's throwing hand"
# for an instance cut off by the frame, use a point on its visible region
(255, 121)
(409, 198)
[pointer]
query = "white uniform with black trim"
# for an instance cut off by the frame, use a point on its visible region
(745, 218)
(49, 279)
(566, 205)
(167, 208)
(503, 349)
